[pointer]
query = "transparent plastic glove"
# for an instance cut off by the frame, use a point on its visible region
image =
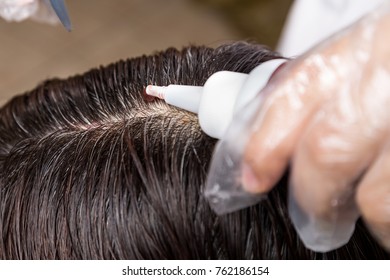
(327, 115)
(19, 10)
(330, 117)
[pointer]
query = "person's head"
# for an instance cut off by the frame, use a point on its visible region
(92, 168)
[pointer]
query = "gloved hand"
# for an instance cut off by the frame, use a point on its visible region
(18, 10)
(47, 11)
(328, 115)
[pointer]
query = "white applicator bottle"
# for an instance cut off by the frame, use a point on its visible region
(224, 94)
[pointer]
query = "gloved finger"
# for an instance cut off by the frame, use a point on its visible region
(291, 98)
(333, 154)
(373, 198)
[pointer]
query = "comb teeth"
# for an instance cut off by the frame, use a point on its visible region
(156, 91)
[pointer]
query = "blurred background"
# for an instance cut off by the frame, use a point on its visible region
(106, 31)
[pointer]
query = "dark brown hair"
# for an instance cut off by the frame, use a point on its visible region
(91, 169)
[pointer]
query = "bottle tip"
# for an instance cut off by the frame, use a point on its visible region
(155, 91)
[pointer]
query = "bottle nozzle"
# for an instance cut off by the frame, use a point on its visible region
(185, 97)
(156, 91)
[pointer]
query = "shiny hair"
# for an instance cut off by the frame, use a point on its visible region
(91, 168)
